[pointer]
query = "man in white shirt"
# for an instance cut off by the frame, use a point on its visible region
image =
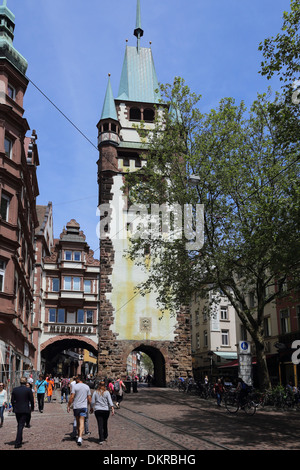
(80, 398)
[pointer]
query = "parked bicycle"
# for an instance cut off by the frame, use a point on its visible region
(234, 403)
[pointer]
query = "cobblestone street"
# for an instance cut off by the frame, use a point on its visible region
(159, 420)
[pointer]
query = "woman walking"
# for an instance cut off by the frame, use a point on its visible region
(102, 404)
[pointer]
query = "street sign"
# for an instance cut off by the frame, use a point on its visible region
(244, 347)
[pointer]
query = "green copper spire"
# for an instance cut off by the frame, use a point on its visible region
(7, 50)
(138, 32)
(109, 108)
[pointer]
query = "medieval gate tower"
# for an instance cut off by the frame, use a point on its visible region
(129, 321)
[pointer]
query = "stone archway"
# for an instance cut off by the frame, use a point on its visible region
(158, 357)
(51, 353)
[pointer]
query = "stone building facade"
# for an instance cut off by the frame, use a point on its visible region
(129, 320)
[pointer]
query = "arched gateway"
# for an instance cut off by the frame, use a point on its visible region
(127, 319)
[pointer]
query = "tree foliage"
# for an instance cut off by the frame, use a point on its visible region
(248, 184)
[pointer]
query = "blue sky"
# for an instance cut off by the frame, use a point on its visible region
(72, 45)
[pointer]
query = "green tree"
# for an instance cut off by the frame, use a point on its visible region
(281, 59)
(249, 187)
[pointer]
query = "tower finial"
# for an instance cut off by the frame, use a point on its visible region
(138, 32)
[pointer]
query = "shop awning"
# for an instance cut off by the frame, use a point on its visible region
(226, 354)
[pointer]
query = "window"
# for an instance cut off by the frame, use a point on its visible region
(77, 256)
(251, 300)
(52, 315)
(149, 115)
(243, 333)
(4, 209)
(7, 147)
(205, 338)
(61, 315)
(267, 326)
(68, 255)
(55, 285)
(76, 283)
(11, 92)
(225, 337)
(87, 287)
(298, 315)
(89, 316)
(285, 321)
(67, 283)
(135, 114)
(224, 313)
(2, 272)
(80, 316)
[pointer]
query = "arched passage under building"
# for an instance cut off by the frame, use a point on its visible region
(61, 356)
(159, 363)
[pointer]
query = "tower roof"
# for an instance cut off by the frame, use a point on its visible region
(109, 107)
(7, 50)
(138, 79)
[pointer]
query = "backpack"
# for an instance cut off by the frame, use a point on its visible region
(117, 386)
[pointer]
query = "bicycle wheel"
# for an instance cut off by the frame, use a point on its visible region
(231, 404)
(250, 408)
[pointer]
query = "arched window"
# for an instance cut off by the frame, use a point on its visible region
(149, 115)
(135, 114)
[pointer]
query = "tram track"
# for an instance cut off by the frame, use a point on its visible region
(176, 429)
(227, 416)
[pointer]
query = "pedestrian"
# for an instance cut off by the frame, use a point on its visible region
(65, 389)
(30, 381)
(40, 388)
(110, 387)
(119, 388)
(74, 432)
(80, 398)
(50, 387)
(102, 404)
(22, 403)
(3, 403)
(219, 391)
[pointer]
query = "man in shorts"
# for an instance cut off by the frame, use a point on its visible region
(80, 398)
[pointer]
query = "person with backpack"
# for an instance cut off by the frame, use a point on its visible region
(40, 389)
(119, 388)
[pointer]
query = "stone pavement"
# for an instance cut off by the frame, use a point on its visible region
(160, 420)
(51, 430)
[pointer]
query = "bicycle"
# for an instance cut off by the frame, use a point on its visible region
(233, 404)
